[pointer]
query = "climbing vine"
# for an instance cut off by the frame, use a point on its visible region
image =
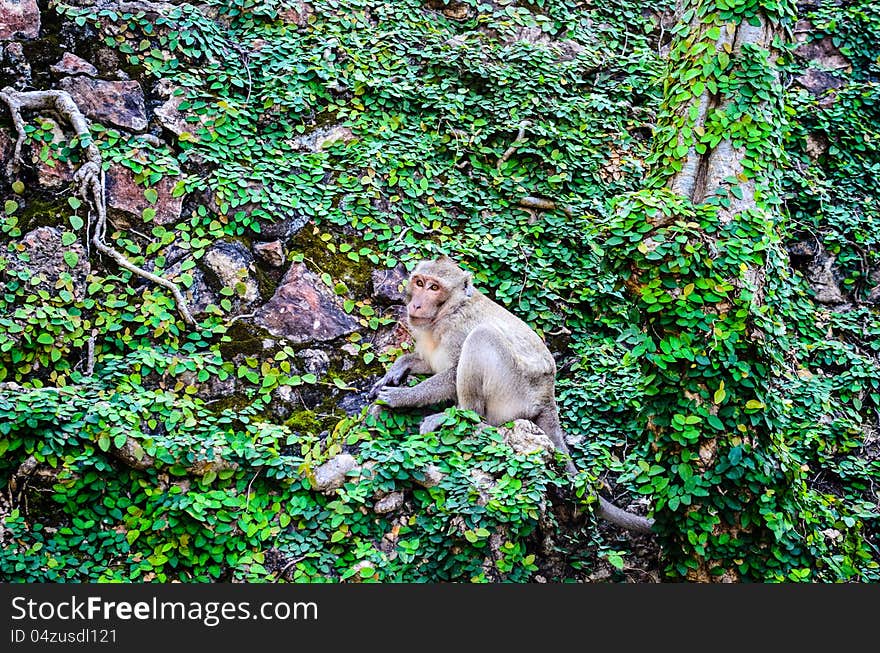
(144, 448)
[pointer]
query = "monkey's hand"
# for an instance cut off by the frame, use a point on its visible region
(393, 397)
(396, 374)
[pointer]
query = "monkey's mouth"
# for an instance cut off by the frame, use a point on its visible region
(420, 321)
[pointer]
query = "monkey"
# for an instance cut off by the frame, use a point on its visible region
(482, 357)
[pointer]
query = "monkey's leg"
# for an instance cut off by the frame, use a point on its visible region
(436, 389)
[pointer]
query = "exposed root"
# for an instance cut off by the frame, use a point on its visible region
(89, 177)
(520, 137)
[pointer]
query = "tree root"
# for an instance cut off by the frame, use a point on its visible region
(520, 137)
(89, 177)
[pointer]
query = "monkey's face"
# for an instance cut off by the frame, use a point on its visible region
(426, 297)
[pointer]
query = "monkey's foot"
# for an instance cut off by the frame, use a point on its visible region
(432, 423)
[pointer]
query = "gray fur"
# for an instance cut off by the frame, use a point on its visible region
(486, 359)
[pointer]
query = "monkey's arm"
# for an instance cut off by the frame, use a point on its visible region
(399, 370)
(436, 389)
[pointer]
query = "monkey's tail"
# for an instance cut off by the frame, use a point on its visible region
(607, 510)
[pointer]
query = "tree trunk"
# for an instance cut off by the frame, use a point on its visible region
(696, 250)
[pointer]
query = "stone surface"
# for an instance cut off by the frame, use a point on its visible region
(388, 284)
(120, 104)
(19, 19)
(124, 194)
(45, 253)
(431, 476)
(232, 266)
(483, 483)
(15, 67)
(332, 474)
(450, 8)
(304, 309)
(52, 174)
(70, 64)
(826, 62)
(818, 82)
(819, 51)
(168, 114)
(271, 253)
(296, 13)
(7, 147)
(320, 139)
(818, 268)
(199, 295)
(389, 503)
(816, 145)
(315, 361)
(526, 437)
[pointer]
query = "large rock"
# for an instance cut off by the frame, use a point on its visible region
(168, 114)
(389, 503)
(120, 104)
(322, 138)
(232, 265)
(124, 194)
(388, 284)
(332, 474)
(52, 174)
(45, 260)
(825, 62)
(70, 64)
(526, 437)
(296, 12)
(19, 19)
(15, 66)
(819, 269)
(304, 309)
(818, 82)
(198, 294)
(272, 253)
(822, 51)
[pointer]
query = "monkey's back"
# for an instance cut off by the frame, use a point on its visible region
(528, 350)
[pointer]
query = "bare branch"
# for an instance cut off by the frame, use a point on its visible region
(520, 137)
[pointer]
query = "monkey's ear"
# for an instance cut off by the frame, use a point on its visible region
(468, 285)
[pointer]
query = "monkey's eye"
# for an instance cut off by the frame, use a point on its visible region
(419, 283)
(434, 287)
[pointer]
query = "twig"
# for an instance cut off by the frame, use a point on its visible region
(247, 500)
(542, 204)
(243, 316)
(90, 356)
(279, 575)
(520, 137)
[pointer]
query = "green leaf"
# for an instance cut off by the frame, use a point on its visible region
(152, 195)
(17, 187)
(11, 206)
(71, 258)
(68, 238)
